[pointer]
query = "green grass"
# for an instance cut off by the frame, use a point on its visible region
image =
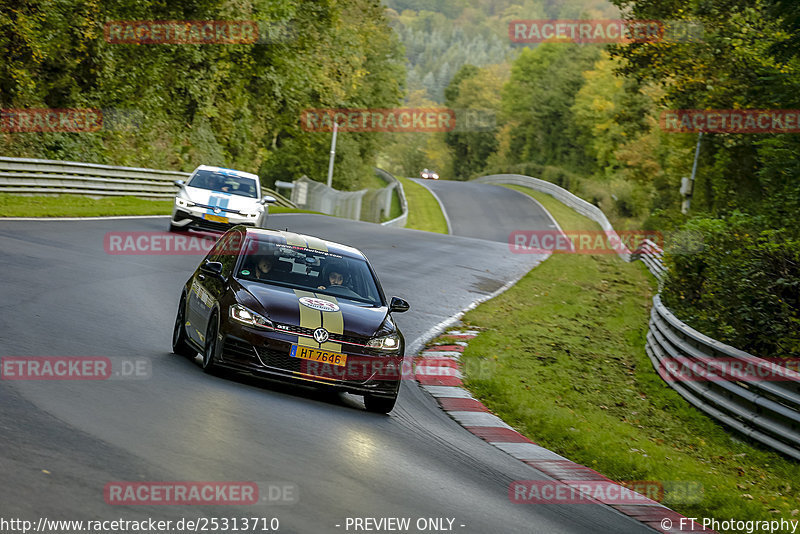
(567, 218)
(282, 209)
(372, 181)
(561, 358)
(12, 205)
(424, 212)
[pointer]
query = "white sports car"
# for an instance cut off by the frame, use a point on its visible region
(213, 198)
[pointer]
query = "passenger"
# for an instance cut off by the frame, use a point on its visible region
(264, 266)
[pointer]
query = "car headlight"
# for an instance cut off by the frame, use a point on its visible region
(243, 315)
(388, 343)
(255, 212)
(183, 203)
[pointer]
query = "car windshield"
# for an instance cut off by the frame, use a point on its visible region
(225, 183)
(308, 269)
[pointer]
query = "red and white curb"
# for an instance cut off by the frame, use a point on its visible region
(437, 371)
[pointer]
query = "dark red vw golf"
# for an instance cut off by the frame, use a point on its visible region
(294, 307)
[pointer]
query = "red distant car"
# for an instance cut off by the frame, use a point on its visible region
(429, 174)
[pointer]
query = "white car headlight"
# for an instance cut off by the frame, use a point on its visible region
(253, 212)
(184, 203)
(387, 343)
(243, 315)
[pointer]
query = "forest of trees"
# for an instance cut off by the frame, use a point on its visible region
(584, 116)
(175, 106)
(440, 36)
(587, 117)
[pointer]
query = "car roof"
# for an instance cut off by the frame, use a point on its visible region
(304, 241)
(222, 170)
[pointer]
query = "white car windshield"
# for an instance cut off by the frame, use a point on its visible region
(225, 183)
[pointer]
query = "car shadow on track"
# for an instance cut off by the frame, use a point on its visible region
(309, 392)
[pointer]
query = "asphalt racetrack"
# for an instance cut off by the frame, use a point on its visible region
(64, 294)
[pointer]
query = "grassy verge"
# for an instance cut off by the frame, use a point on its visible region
(281, 209)
(424, 212)
(82, 206)
(79, 206)
(562, 359)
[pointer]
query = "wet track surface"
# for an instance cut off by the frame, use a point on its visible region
(63, 441)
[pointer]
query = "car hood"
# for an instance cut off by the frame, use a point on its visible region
(219, 199)
(284, 305)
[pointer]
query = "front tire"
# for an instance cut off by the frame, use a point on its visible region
(379, 404)
(209, 365)
(179, 344)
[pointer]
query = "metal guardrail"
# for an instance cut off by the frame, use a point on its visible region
(316, 196)
(49, 177)
(401, 220)
(653, 257)
(369, 205)
(578, 204)
(766, 410)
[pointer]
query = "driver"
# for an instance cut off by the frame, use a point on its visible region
(333, 276)
(218, 183)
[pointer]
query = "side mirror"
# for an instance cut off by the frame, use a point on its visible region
(268, 199)
(398, 305)
(179, 183)
(213, 268)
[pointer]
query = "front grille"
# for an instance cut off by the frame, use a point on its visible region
(211, 225)
(233, 349)
(295, 329)
(309, 332)
(278, 359)
(212, 208)
(357, 340)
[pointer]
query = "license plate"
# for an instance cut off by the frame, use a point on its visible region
(215, 218)
(317, 355)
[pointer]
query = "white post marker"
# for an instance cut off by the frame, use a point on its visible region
(333, 153)
(687, 188)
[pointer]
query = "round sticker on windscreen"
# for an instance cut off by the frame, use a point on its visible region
(245, 272)
(319, 304)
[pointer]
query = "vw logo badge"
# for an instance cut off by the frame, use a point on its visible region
(217, 210)
(321, 335)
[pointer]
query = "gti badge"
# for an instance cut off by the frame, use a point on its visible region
(321, 335)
